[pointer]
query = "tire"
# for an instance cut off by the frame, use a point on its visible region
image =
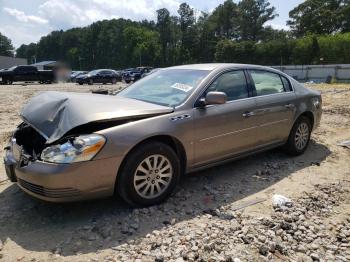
(299, 137)
(114, 81)
(90, 82)
(162, 182)
(127, 81)
(80, 83)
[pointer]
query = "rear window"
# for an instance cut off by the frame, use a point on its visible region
(267, 83)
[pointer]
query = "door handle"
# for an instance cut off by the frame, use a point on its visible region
(248, 114)
(289, 106)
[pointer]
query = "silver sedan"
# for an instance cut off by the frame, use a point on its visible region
(139, 142)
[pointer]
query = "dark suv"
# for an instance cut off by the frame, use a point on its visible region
(26, 73)
(135, 74)
(103, 76)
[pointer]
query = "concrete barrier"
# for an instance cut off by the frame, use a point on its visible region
(317, 73)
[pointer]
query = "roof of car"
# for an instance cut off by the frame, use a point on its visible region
(213, 66)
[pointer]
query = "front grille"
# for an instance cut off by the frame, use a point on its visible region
(46, 192)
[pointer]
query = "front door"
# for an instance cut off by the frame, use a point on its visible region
(227, 129)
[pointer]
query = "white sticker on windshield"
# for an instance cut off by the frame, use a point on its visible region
(182, 87)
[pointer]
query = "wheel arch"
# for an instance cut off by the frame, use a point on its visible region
(169, 140)
(309, 115)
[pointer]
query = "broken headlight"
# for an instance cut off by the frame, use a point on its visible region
(81, 148)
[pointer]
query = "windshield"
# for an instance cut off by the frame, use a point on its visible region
(169, 87)
(76, 73)
(94, 72)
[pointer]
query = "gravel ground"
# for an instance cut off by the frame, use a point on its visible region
(204, 219)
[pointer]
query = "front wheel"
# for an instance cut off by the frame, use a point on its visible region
(150, 174)
(299, 137)
(90, 82)
(114, 81)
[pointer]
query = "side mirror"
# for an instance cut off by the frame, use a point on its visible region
(213, 98)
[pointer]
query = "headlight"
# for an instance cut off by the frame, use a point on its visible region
(81, 148)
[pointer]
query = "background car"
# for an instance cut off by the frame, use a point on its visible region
(132, 75)
(135, 74)
(26, 73)
(103, 76)
(151, 72)
(75, 74)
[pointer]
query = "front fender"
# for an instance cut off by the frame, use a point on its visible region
(123, 138)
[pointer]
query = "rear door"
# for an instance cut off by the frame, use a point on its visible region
(227, 129)
(275, 107)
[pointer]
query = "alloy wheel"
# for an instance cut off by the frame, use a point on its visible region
(302, 136)
(153, 176)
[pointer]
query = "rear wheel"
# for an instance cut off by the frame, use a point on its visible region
(299, 137)
(80, 83)
(114, 81)
(150, 174)
(91, 82)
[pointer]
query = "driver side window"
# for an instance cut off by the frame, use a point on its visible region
(233, 84)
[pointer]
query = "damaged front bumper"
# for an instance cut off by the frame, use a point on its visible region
(61, 182)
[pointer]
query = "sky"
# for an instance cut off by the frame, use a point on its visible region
(25, 21)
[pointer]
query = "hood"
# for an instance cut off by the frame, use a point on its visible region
(4, 71)
(53, 114)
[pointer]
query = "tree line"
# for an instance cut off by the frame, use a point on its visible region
(233, 32)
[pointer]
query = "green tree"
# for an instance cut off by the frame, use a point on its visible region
(270, 33)
(320, 17)
(163, 26)
(228, 51)
(207, 39)
(141, 46)
(253, 14)
(275, 52)
(175, 42)
(6, 47)
(189, 35)
(27, 51)
(224, 20)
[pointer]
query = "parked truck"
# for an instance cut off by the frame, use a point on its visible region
(26, 73)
